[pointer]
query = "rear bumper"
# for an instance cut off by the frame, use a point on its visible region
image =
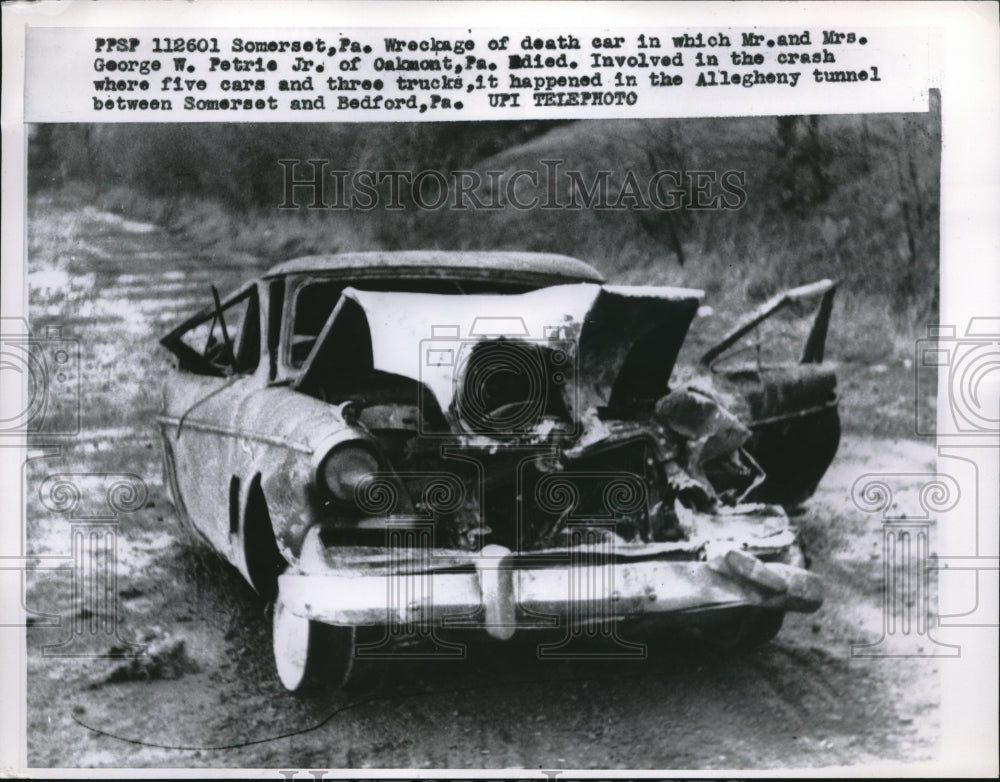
(500, 593)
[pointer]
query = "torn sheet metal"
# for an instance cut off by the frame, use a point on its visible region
(620, 342)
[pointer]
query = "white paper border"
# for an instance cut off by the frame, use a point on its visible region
(967, 72)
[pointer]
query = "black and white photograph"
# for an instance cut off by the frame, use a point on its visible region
(523, 445)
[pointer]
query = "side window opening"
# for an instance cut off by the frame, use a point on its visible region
(203, 347)
(789, 328)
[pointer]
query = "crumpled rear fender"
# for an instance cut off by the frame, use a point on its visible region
(304, 431)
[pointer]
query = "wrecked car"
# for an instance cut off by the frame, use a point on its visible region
(409, 443)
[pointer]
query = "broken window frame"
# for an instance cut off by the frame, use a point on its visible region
(246, 358)
(815, 344)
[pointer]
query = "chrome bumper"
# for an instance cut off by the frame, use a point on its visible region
(501, 592)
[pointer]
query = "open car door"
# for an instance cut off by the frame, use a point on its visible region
(790, 400)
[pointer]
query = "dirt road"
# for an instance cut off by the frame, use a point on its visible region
(803, 701)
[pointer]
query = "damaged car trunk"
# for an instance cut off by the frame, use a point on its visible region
(525, 427)
(454, 454)
(553, 411)
(539, 415)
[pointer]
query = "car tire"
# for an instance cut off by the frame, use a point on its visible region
(750, 631)
(311, 655)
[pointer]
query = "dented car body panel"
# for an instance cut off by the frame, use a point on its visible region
(497, 430)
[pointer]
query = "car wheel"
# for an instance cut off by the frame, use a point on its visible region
(311, 654)
(753, 629)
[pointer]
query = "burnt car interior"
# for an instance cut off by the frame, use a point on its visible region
(789, 400)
